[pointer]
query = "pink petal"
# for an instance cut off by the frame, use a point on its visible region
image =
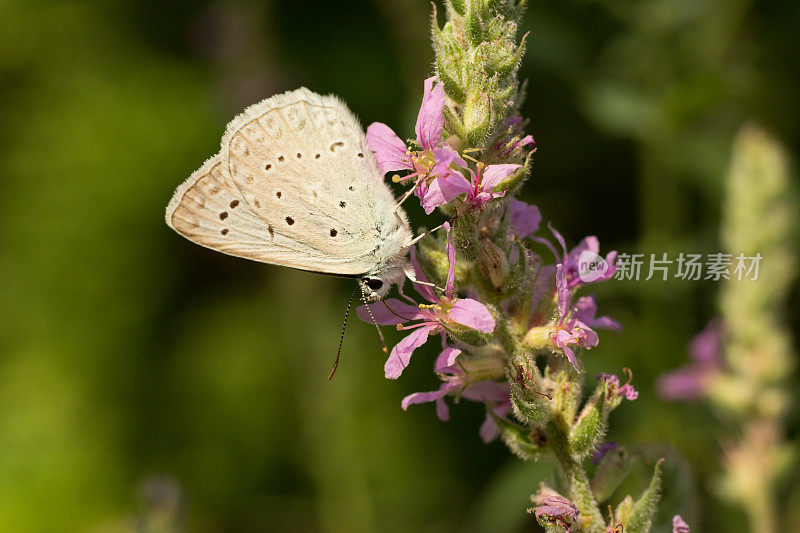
(563, 291)
(488, 430)
(494, 174)
(589, 243)
(473, 314)
(422, 397)
(442, 190)
(434, 396)
(486, 391)
(605, 322)
(445, 156)
(525, 219)
(560, 239)
(442, 411)
(430, 120)
(387, 311)
(571, 357)
(590, 338)
(446, 359)
(679, 526)
(403, 350)
(390, 151)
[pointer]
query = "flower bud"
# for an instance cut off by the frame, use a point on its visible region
(432, 258)
(492, 263)
(588, 429)
(450, 64)
(477, 117)
(537, 338)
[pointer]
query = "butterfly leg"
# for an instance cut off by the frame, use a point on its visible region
(410, 274)
(408, 193)
(425, 234)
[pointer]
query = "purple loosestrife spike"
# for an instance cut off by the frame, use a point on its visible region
(679, 526)
(441, 314)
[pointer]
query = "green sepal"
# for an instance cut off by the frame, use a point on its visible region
(643, 511)
(466, 335)
(622, 514)
(453, 123)
(517, 439)
(464, 235)
(474, 16)
(516, 178)
(458, 6)
(566, 395)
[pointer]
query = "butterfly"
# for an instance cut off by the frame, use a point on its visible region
(295, 184)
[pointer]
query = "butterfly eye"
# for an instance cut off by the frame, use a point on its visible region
(374, 283)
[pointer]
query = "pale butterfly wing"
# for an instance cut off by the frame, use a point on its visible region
(294, 185)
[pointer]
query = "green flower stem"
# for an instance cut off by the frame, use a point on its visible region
(580, 490)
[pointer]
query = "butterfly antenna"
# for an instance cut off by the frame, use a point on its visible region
(341, 337)
(375, 322)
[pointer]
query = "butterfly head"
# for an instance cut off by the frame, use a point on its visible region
(375, 285)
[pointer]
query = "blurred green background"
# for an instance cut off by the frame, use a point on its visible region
(140, 373)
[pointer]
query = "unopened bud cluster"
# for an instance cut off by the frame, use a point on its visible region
(477, 56)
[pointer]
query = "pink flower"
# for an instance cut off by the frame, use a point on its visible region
(443, 313)
(583, 264)
(486, 180)
(690, 382)
(515, 144)
(555, 509)
(430, 165)
(615, 391)
(479, 190)
(457, 382)
(679, 526)
(576, 322)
